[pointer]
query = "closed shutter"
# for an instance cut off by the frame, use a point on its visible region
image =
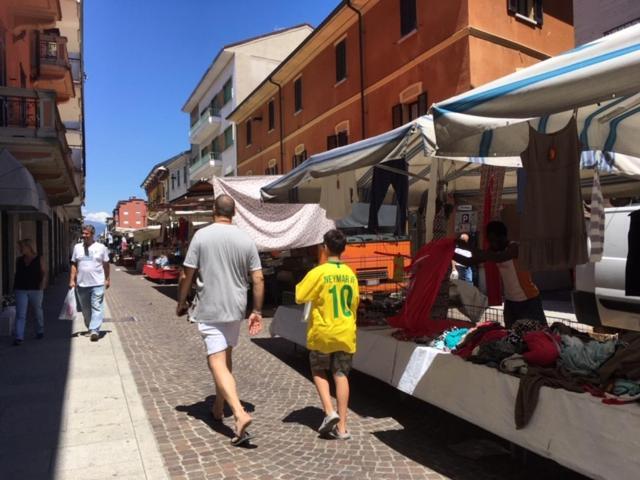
(396, 115)
(341, 61)
(408, 18)
(332, 142)
(512, 6)
(422, 104)
(343, 138)
(539, 14)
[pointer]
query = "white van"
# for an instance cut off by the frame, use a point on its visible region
(600, 298)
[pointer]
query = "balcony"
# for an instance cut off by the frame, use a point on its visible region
(213, 160)
(51, 68)
(34, 14)
(208, 123)
(31, 130)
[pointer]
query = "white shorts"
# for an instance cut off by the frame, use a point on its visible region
(219, 336)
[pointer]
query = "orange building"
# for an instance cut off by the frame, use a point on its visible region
(41, 130)
(373, 65)
(130, 213)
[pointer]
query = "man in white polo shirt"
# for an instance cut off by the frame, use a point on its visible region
(90, 277)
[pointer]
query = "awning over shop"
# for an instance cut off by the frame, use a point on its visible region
(170, 215)
(273, 227)
(600, 81)
(18, 189)
(151, 232)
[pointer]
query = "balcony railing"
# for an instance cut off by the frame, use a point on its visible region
(51, 58)
(210, 157)
(31, 113)
(204, 118)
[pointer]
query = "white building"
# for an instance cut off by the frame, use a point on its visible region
(178, 177)
(593, 19)
(235, 72)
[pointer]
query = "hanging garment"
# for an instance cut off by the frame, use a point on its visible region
(492, 181)
(428, 268)
(339, 193)
(521, 178)
(552, 230)
(596, 222)
(183, 230)
(632, 272)
(380, 183)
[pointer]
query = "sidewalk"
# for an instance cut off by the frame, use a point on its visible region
(69, 408)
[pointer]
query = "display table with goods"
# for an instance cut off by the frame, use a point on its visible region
(165, 274)
(589, 429)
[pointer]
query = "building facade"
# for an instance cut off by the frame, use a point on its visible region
(597, 18)
(178, 176)
(234, 73)
(41, 134)
(131, 213)
(374, 65)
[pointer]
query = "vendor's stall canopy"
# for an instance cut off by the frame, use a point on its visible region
(598, 82)
(489, 126)
(18, 189)
(152, 232)
(169, 215)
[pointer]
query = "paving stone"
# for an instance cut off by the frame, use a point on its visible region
(394, 436)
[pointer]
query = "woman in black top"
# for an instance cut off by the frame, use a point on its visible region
(29, 284)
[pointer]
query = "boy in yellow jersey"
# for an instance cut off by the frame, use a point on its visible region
(332, 289)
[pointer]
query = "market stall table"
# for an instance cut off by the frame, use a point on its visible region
(164, 274)
(575, 430)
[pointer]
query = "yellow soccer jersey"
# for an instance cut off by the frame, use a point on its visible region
(332, 288)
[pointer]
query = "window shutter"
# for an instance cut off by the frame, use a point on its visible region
(396, 115)
(512, 6)
(341, 60)
(422, 104)
(332, 142)
(539, 14)
(343, 138)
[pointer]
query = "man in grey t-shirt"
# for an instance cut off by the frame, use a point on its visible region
(221, 258)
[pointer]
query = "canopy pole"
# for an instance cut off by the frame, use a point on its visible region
(430, 215)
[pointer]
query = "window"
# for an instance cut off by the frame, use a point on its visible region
(299, 158)
(138, 222)
(297, 89)
(126, 212)
(173, 182)
(272, 115)
(528, 10)
(338, 140)
(227, 91)
(249, 133)
(184, 173)
(178, 177)
(402, 113)
(228, 138)
(341, 60)
(408, 18)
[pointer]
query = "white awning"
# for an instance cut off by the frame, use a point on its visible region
(599, 81)
(18, 189)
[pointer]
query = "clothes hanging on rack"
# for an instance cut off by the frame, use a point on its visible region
(338, 194)
(492, 181)
(380, 183)
(632, 273)
(552, 230)
(428, 268)
(596, 221)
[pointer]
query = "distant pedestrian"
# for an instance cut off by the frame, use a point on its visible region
(463, 272)
(332, 289)
(29, 284)
(221, 258)
(90, 276)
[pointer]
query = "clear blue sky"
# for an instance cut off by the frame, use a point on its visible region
(142, 60)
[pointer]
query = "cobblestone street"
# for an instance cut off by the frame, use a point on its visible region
(394, 436)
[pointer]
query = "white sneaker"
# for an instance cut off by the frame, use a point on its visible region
(329, 423)
(339, 436)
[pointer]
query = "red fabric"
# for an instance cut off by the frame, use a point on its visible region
(428, 269)
(543, 349)
(493, 336)
(475, 337)
(491, 272)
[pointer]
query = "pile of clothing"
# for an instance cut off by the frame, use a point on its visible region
(374, 312)
(556, 357)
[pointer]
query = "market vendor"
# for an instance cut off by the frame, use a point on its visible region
(521, 296)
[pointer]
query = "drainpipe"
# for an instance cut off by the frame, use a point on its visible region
(281, 124)
(361, 49)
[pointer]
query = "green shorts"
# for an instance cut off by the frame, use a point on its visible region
(338, 363)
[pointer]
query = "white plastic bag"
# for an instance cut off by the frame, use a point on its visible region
(69, 309)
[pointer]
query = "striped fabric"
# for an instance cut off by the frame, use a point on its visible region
(596, 222)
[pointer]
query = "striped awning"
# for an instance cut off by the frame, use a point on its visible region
(598, 82)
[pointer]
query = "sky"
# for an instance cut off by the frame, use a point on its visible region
(143, 58)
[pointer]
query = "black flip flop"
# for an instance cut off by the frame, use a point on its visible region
(239, 441)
